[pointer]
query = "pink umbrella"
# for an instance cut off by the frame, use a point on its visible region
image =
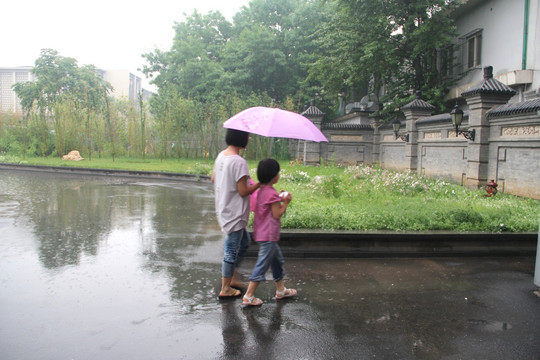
(274, 122)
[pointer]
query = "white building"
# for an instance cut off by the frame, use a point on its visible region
(504, 34)
(9, 102)
(125, 85)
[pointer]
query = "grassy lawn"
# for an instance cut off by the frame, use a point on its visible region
(359, 197)
(198, 167)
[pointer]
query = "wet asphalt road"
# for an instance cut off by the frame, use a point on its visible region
(97, 268)
(444, 308)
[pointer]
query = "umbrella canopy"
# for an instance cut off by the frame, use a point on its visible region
(274, 122)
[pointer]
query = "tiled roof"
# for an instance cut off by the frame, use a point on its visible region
(488, 86)
(525, 107)
(439, 118)
(312, 110)
(338, 126)
(418, 104)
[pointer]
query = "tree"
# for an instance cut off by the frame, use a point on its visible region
(59, 80)
(193, 63)
(142, 110)
(266, 50)
(386, 47)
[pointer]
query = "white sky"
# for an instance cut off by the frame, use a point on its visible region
(110, 34)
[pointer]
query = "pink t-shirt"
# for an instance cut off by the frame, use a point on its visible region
(265, 227)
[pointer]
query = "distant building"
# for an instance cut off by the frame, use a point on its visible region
(9, 102)
(500, 33)
(125, 84)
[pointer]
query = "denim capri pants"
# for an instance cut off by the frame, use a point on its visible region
(236, 245)
(270, 256)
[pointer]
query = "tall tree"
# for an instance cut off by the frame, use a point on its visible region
(58, 80)
(386, 47)
(261, 53)
(192, 65)
(273, 45)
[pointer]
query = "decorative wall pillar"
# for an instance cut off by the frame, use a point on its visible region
(413, 111)
(375, 157)
(481, 98)
(312, 150)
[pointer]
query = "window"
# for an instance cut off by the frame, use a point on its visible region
(474, 49)
(446, 61)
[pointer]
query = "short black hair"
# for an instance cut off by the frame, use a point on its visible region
(237, 138)
(267, 170)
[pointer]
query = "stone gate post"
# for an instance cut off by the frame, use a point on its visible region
(413, 111)
(481, 98)
(312, 150)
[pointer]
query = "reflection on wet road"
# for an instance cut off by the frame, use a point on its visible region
(103, 268)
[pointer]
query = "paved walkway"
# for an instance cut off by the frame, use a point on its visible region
(430, 308)
(420, 307)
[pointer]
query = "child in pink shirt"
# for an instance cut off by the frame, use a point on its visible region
(270, 207)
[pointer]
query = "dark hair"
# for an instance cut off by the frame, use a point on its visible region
(237, 138)
(267, 170)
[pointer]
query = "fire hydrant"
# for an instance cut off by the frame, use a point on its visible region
(491, 188)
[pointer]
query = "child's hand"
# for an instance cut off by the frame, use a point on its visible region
(285, 196)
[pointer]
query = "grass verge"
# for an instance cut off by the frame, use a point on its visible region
(359, 197)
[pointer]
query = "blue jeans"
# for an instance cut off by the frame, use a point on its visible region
(236, 245)
(269, 256)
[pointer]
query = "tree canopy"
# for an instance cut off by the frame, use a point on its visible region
(59, 78)
(301, 49)
(280, 53)
(385, 47)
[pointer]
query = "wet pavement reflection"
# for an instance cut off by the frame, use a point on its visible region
(110, 268)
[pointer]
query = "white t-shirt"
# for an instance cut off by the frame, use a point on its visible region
(232, 210)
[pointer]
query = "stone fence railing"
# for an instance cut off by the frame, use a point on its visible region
(505, 148)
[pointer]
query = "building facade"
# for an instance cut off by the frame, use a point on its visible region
(125, 85)
(9, 102)
(500, 33)
(496, 58)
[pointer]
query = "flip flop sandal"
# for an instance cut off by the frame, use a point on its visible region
(286, 293)
(235, 294)
(251, 301)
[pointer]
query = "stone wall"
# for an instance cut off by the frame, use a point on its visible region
(506, 146)
(514, 154)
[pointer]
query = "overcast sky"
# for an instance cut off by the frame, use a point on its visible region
(110, 34)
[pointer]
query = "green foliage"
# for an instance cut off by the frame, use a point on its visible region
(64, 96)
(370, 198)
(279, 53)
(373, 44)
(358, 197)
(300, 50)
(266, 51)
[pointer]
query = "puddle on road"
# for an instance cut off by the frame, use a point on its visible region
(93, 267)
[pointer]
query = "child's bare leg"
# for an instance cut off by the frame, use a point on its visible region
(251, 288)
(280, 285)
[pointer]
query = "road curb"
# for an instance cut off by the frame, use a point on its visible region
(349, 244)
(309, 244)
(106, 172)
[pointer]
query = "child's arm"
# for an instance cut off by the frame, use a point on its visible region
(279, 208)
(244, 189)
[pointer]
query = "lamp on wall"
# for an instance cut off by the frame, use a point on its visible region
(396, 124)
(457, 116)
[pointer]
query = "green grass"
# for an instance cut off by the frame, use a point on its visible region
(197, 167)
(360, 197)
